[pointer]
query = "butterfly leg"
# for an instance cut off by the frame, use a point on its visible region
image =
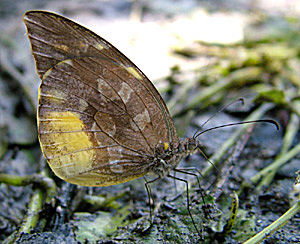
(187, 200)
(148, 189)
(185, 171)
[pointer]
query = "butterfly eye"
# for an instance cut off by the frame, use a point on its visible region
(192, 144)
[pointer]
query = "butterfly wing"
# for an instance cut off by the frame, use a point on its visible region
(99, 116)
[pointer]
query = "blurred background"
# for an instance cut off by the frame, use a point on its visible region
(201, 55)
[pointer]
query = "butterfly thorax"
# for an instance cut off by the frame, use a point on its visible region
(167, 156)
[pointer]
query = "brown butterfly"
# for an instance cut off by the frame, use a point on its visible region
(101, 121)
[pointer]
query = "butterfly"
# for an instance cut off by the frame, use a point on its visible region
(100, 120)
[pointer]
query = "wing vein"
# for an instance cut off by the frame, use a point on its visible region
(67, 109)
(123, 102)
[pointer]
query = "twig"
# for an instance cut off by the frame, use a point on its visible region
(265, 233)
(216, 158)
(20, 78)
(277, 163)
(235, 155)
(43, 181)
(233, 214)
(236, 78)
(267, 174)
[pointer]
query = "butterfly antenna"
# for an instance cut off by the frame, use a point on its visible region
(222, 109)
(240, 123)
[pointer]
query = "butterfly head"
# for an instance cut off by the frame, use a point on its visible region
(168, 156)
(188, 146)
